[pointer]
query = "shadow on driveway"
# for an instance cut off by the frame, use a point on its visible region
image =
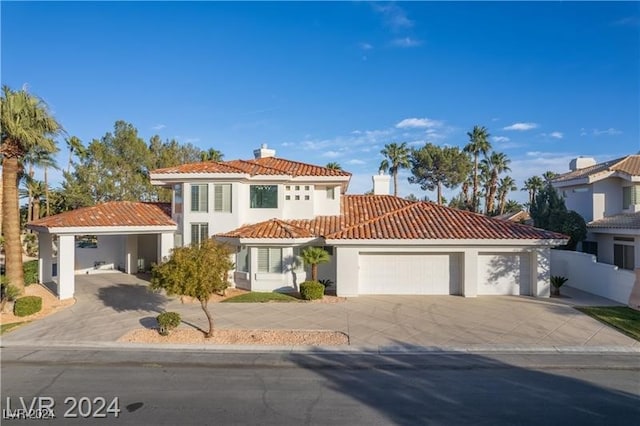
(127, 297)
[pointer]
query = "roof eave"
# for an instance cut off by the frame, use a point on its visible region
(550, 242)
(103, 230)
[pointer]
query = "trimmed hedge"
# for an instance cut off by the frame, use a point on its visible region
(168, 321)
(311, 290)
(27, 305)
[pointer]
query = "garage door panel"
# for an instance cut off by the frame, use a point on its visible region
(408, 273)
(503, 274)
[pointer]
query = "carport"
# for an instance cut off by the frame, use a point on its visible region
(127, 236)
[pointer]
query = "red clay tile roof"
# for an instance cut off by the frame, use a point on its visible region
(629, 165)
(388, 217)
(113, 213)
(259, 166)
(274, 228)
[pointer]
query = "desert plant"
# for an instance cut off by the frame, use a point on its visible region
(314, 256)
(311, 290)
(27, 305)
(557, 281)
(8, 293)
(167, 321)
(326, 283)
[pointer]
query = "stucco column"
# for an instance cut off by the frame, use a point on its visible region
(66, 263)
(165, 245)
(347, 271)
(470, 273)
(540, 261)
(45, 254)
(131, 265)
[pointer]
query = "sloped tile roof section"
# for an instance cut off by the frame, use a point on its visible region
(113, 213)
(619, 221)
(629, 165)
(388, 217)
(274, 228)
(259, 166)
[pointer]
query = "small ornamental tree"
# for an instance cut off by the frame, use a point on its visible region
(196, 271)
(314, 256)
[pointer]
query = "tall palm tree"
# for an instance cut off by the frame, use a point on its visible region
(314, 256)
(478, 144)
(333, 166)
(512, 206)
(497, 163)
(35, 189)
(533, 185)
(26, 125)
(507, 184)
(211, 155)
(549, 175)
(75, 148)
(396, 158)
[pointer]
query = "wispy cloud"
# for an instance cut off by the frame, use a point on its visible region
(365, 46)
(159, 127)
(332, 154)
(500, 139)
(419, 123)
(521, 126)
(628, 21)
(356, 162)
(393, 16)
(609, 132)
(557, 135)
(406, 42)
(191, 140)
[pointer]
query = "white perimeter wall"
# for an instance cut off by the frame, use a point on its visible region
(586, 274)
(110, 250)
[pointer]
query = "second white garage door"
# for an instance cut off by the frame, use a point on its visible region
(408, 273)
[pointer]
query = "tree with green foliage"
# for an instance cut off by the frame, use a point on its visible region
(396, 158)
(75, 148)
(478, 144)
(197, 271)
(26, 125)
(533, 185)
(314, 256)
(496, 163)
(333, 166)
(513, 206)
(548, 176)
(434, 167)
(550, 212)
(211, 155)
(506, 185)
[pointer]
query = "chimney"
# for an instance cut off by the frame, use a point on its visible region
(381, 184)
(264, 152)
(581, 163)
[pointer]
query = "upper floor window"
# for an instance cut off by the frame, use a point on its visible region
(199, 232)
(222, 197)
(177, 198)
(331, 193)
(630, 196)
(200, 198)
(263, 196)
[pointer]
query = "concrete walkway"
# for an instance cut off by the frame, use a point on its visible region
(109, 305)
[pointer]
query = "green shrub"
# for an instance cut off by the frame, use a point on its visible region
(311, 290)
(326, 283)
(27, 305)
(557, 281)
(9, 292)
(30, 272)
(167, 321)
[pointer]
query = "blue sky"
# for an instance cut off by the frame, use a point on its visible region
(336, 81)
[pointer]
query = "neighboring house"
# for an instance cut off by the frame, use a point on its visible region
(607, 196)
(269, 209)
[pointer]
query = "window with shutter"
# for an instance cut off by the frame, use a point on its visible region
(222, 198)
(270, 260)
(199, 198)
(199, 232)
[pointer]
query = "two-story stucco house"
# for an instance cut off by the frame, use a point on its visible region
(607, 196)
(268, 209)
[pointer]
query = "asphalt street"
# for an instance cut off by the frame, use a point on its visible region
(316, 387)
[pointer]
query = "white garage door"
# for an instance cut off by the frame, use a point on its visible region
(503, 273)
(408, 273)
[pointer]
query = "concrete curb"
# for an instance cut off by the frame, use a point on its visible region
(367, 350)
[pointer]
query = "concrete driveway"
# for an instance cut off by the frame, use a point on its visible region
(109, 305)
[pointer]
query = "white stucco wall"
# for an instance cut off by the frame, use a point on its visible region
(607, 198)
(324, 206)
(585, 274)
(580, 199)
(109, 252)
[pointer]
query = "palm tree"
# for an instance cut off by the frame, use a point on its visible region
(497, 163)
(548, 176)
(533, 185)
(35, 189)
(512, 206)
(211, 155)
(396, 158)
(333, 166)
(75, 148)
(507, 184)
(40, 158)
(26, 126)
(314, 256)
(478, 144)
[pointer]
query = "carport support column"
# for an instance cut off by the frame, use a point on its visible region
(165, 244)
(347, 271)
(470, 273)
(131, 266)
(66, 264)
(45, 257)
(540, 261)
